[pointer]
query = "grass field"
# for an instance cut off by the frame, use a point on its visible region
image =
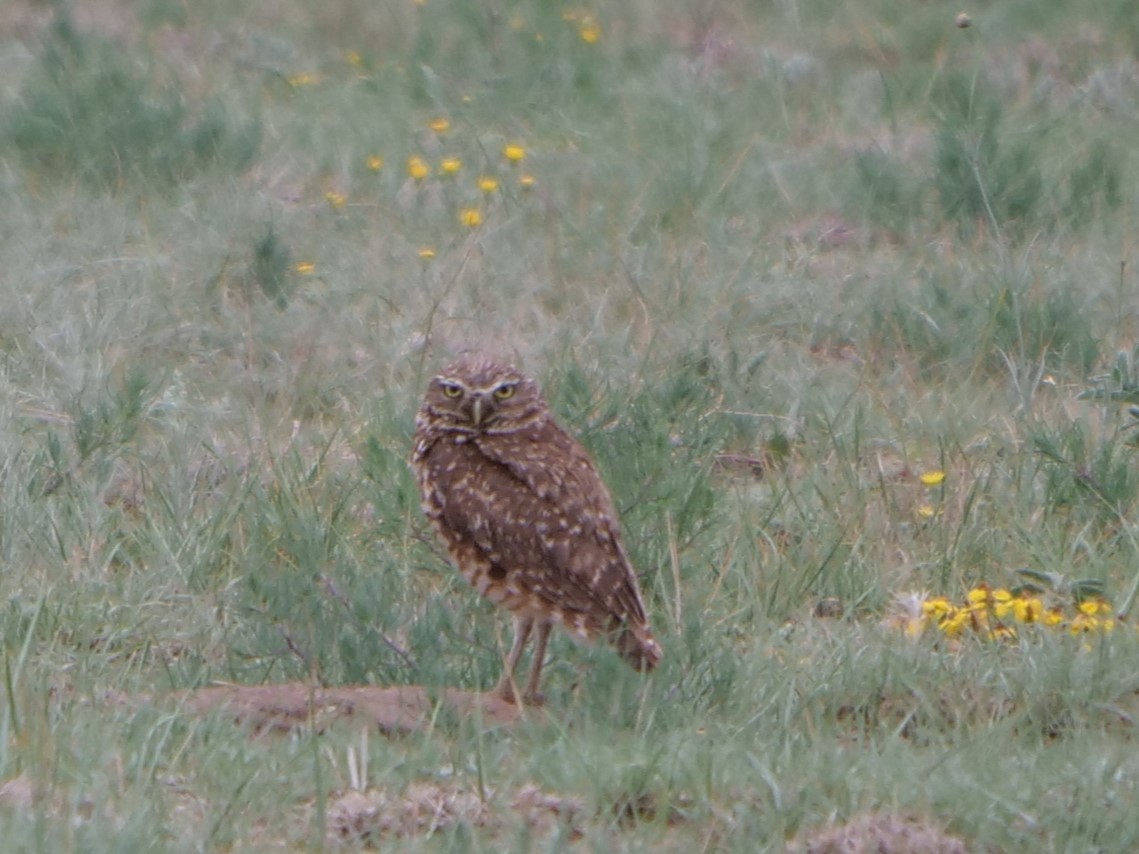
(773, 263)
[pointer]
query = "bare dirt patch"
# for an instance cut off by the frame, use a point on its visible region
(428, 808)
(879, 833)
(393, 710)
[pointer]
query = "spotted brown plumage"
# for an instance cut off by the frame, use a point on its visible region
(525, 516)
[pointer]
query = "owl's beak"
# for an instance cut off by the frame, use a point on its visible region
(476, 410)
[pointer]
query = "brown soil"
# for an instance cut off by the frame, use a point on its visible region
(879, 833)
(394, 710)
(424, 808)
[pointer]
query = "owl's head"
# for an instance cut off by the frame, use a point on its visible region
(477, 394)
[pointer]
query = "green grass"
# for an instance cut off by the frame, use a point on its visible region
(850, 240)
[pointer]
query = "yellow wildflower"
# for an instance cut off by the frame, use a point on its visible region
(1002, 603)
(305, 267)
(933, 478)
(1091, 607)
(1003, 632)
(526, 181)
(927, 511)
(450, 165)
(426, 253)
(470, 217)
(416, 168)
(953, 625)
(978, 595)
(1027, 610)
(441, 125)
(1083, 623)
(589, 31)
(936, 607)
(488, 184)
(303, 79)
(1053, 617)
(375, 163)
(514, 152)
(336, 200)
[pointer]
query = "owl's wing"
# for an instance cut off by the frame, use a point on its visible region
(558, 515)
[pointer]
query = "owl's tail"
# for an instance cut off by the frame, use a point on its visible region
(637, 646)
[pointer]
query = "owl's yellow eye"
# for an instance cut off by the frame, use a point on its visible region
(452, 390)
(504, 392)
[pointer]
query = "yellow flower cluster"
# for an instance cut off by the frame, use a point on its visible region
(296, 81)
(587, 27)
(476, 202)
(931, 480)
(419, 170)
(995, 614)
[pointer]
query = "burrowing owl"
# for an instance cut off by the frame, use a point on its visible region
(525, 516)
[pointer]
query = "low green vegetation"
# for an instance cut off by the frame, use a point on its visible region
(842, 297)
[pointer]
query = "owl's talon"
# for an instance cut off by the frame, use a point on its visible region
(537, 698)
(505, 692)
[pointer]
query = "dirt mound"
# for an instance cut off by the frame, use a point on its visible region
(394, 710)
(879, 833)
(427, 808)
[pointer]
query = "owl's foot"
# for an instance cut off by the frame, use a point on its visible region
(504, 691)
(535, 698)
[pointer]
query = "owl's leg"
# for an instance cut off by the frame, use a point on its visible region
(532, 696)
(505, 687)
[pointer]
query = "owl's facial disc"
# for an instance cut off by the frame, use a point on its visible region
(475, 397)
